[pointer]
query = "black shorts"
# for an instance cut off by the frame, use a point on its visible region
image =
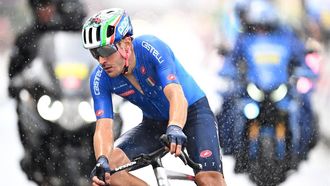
(201, 130)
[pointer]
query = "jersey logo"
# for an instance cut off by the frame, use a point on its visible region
(96, 82)
(153, 51)
(120, 86)
(143, 70)
(171, 77)
(127, 93)
(205, 153)
(99, 112)
(151, 81)
(124, 26)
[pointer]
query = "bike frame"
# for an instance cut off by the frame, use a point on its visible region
(163, 176)
(160, 172)
(155, 160)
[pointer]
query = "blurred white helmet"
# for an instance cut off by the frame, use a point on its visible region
(261, 12)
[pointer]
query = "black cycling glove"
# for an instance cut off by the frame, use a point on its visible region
(101, 167)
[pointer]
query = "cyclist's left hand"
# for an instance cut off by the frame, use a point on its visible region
(103, 177)
(176, 138)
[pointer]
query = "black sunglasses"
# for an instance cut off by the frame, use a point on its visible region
(103, 51)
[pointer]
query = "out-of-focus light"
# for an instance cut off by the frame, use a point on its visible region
(279, 93)
(251, 110)
(49, 110)
(255, 93)
(304, 85)
(86, 111)
(313, 61)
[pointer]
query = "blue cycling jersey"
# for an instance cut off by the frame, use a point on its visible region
(156, 67)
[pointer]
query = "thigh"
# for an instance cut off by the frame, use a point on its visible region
(203, 143)
(143, 138)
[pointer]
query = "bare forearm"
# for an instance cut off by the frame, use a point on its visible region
(178, 106)
(178, 111)
(103, 138)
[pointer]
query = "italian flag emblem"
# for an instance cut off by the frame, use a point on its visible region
(150, 81)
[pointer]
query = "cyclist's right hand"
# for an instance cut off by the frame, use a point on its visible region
(176, 138)
(101, 172)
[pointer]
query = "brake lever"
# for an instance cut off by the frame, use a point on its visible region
(164, 140)
(166, 143)
(183, 156)
(99, 172)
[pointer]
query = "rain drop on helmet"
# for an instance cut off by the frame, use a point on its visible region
(107, 27)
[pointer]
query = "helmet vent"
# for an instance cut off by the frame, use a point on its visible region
(98, 33)
(90, 38)
(110, 30)
(106, 27)
(84, 34)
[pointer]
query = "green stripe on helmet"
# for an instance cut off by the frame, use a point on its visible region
(104, 29)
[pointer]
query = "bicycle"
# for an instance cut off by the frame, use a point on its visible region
(155, 160)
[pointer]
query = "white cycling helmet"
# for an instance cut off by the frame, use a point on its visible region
(107, 27)
(261, 12)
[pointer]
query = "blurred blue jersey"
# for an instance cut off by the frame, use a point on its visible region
(156, 67)
(273, 52)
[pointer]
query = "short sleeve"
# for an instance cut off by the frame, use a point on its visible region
(100, 91)
(163, 59)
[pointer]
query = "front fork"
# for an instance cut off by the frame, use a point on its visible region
(255, 131)
(160, 173)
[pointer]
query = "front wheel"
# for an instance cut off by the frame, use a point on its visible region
(266, 170)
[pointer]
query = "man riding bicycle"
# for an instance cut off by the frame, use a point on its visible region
(145, 71)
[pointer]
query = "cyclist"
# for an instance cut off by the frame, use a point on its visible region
(145, 71)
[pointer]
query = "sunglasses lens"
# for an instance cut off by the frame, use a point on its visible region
(94, 53)
(103, 51)
(106, 51)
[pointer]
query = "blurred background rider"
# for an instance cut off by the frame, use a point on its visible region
(202, 31)
(48, 16)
